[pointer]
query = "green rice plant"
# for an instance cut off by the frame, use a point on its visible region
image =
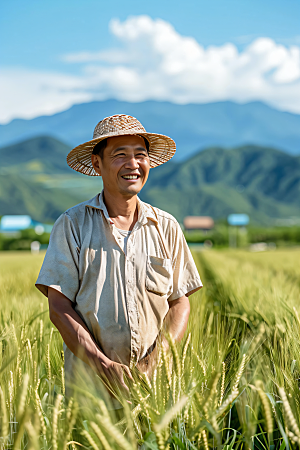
(231, 383)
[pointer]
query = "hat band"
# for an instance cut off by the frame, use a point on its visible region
(119, 132)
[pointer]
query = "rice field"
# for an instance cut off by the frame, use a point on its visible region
(233, 382)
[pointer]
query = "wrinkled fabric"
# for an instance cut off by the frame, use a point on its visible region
(123, 299)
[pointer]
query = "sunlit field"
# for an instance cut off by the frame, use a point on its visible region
(232, 383)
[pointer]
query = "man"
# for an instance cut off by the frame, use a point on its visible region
(118, 271)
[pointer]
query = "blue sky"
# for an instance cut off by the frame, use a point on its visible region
(56, 53)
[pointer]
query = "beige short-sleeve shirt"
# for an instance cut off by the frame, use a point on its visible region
(123, 299)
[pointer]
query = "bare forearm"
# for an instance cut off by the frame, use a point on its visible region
(175, 325)
(176, 320)
(74, 332)
(78, 339)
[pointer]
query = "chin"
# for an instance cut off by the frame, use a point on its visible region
(133, 190)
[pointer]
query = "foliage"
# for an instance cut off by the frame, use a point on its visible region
(22, 240)
(260, 181)
(278, 235)
(219, 236)
(232, 383)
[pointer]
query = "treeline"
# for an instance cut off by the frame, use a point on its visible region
(222, 234)
(22, 240)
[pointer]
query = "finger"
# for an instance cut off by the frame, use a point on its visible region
(127, 373)
(122, 383)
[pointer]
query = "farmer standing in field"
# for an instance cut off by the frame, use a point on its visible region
(118, 272)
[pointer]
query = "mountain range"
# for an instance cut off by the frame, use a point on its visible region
(260, 181)
(192, 126)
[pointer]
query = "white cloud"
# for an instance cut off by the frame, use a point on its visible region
(153, 61)
(28, 94)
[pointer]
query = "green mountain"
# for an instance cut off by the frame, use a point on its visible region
(36, 180)
(262, 182)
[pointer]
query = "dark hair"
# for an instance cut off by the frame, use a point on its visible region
(99, 148)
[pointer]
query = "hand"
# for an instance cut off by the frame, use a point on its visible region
(148, 364)
(114, 373)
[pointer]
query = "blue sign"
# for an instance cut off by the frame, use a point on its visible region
(238, 219)
(21, 222)
(14, 223)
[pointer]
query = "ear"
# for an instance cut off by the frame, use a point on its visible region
(96, 161)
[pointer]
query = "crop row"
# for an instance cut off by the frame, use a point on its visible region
(232, 383)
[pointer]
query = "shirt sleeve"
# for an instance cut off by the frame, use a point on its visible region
(60, 267)
(186, 279)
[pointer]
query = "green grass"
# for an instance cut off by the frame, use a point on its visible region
(231, 383)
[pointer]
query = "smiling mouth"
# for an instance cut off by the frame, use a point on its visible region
(130, 177)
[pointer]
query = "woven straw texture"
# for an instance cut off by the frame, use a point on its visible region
(161, 148)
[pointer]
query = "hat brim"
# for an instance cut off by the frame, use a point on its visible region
(161, 149)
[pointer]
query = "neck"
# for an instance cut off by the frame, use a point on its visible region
(122, 210)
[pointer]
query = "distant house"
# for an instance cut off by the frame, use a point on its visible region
(15, 223)
(204, 223)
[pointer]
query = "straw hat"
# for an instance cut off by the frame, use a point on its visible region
(161, 148)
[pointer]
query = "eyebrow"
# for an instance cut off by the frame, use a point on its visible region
(122, 148)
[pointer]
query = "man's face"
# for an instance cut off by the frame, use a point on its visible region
(124, 166)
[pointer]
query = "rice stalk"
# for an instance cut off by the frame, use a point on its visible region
(160, 441)
(48, 362)
(205, 440)
(23, 395)
(33, 437)
(63, 388)
(170, 414)
(11, 393)
(201, 363)
(113, 431)
(266, 405)
(222, 390)
(34, 372)
(288, 413)
(41, 331)
(55, 419)
(177, 365)
(184, 352)
(29, 352)
(239, 374)
(100, 436)
(71, 414)
(91, 441)
(211, 395)
(39, 409)
(294, 438)
(4, 418)
(166, 365)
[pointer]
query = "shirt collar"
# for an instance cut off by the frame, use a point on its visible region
(97, 202)
(145, 211)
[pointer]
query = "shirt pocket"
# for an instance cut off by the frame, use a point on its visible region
(159, 275)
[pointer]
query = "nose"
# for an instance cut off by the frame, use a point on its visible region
(132, 162)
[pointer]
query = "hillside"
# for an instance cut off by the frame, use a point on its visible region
(262, 182)
(192, 126)
(36, 180)
(42, 154)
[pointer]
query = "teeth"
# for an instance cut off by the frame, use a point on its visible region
(130, 177)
